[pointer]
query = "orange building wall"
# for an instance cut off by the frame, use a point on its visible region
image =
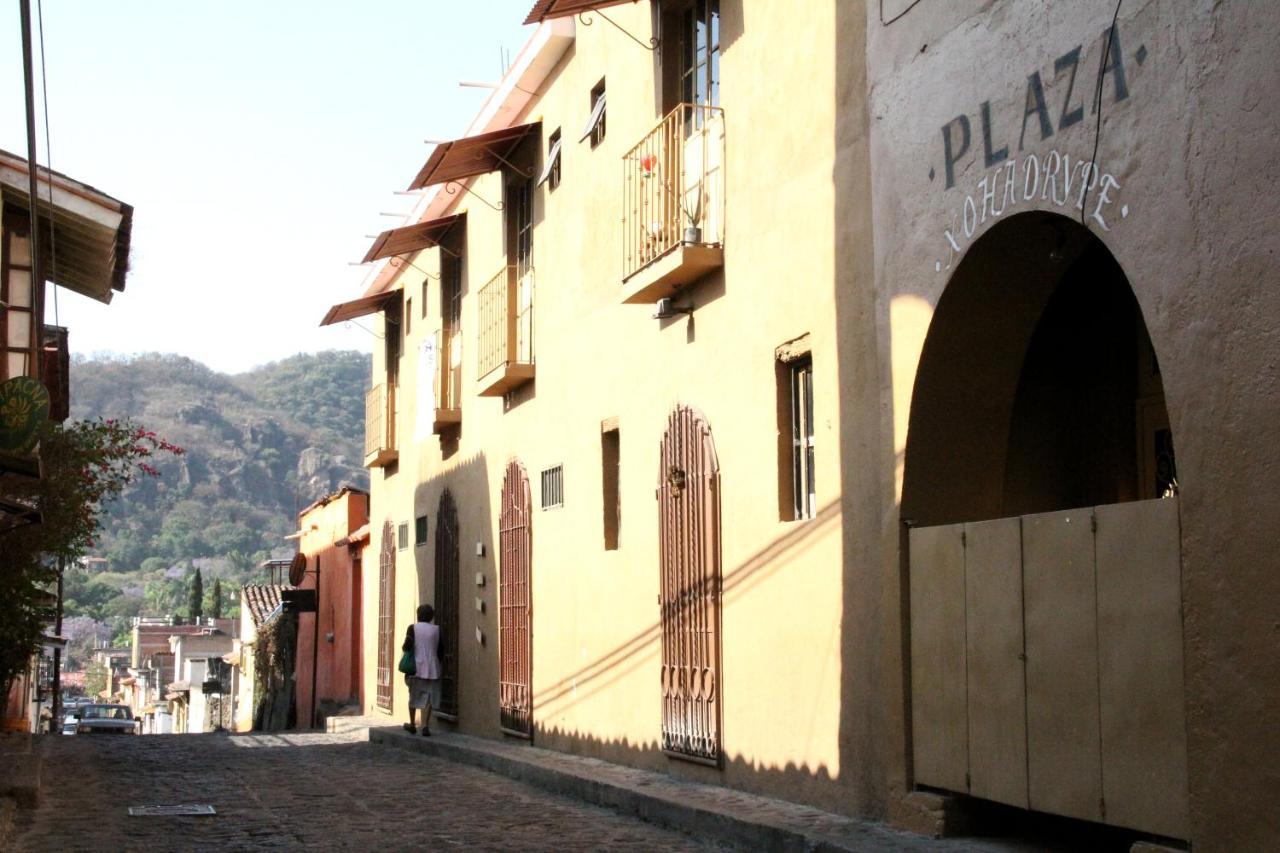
(337, 677)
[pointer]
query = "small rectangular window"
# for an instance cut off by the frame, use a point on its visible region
(551, 171)
(797, 496)
(610, 460)
(402, 535)
(424, 298)
(420, 531)
(802, 438)
(596, 123)
(553, 487)
(408, 315)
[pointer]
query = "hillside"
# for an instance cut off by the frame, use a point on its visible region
(260, 445)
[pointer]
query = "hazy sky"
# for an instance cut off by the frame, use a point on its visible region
(258, 143)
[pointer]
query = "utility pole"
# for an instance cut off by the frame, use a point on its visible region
(315, 646)
(37, 250)
(56, 722)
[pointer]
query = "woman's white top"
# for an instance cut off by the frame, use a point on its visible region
(426, 643)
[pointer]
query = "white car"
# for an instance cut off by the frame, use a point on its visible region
(107, 720)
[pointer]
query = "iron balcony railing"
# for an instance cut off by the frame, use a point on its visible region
(448, 378)
(673, 185)
(379, 423)
(506, 321)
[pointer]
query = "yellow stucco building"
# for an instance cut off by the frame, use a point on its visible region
(788, 401)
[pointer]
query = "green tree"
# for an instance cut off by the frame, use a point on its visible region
(215, 605)
(195, 598)
(84, 466)
(95, 678)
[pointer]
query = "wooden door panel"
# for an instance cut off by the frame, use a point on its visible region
(1144, 751)
(997, 690)
(1063, 749)
(939, 716)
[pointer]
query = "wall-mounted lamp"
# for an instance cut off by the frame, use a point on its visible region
(665, 309)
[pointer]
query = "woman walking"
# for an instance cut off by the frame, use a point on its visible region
(423, 639)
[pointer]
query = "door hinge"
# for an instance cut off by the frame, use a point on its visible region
(1093, 522)
(968, 782)
(1102, 807)
(964, 538)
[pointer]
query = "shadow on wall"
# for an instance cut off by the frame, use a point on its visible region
(476, 638)
(643, 649)
(869, 737)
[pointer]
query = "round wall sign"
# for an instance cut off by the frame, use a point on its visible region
(24, 405)
(297, 568)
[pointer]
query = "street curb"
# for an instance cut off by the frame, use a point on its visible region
(703, 811)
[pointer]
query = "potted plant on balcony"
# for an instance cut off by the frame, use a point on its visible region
(691, 208)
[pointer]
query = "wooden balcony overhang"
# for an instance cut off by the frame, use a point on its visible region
(91, 231)
(469, 156)
(411, 238)
(504, 378)
(381, 457)
(544, 9)
(361, 307)
(444, 420)
(682, 265)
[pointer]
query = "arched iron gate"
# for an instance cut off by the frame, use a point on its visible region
(515, 645)
(386, 614)
(689, 595)
(446, 588)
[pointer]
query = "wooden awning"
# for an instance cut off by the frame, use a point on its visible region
(411, 238)
(359, 307)
(544, 9)
(472, 155)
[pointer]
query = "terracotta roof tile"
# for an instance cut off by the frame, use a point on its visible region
(261, 600)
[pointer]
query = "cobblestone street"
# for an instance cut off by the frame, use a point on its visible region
(325, 791)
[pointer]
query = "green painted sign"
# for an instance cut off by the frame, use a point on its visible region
(24, 405)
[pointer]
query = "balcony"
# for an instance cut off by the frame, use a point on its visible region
(380, 426)
(505, 357)
(446, 389)
(673, 210)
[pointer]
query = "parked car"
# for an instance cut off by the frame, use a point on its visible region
(70, 724)
(107, 720)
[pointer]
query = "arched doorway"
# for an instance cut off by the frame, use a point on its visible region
(386, 615)
(689, 592)
(446, 597)
(1043, 547)
(515, 641)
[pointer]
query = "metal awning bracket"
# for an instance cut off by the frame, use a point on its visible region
(586, 22)
(452, 187)
(512, 166)
(398, 261)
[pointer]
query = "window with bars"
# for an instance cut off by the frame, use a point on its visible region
(520, 227)
(420, 531)
(402, 535)
(799, 398)
(553, 487)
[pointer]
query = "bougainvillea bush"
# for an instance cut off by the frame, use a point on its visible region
(84, 466)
